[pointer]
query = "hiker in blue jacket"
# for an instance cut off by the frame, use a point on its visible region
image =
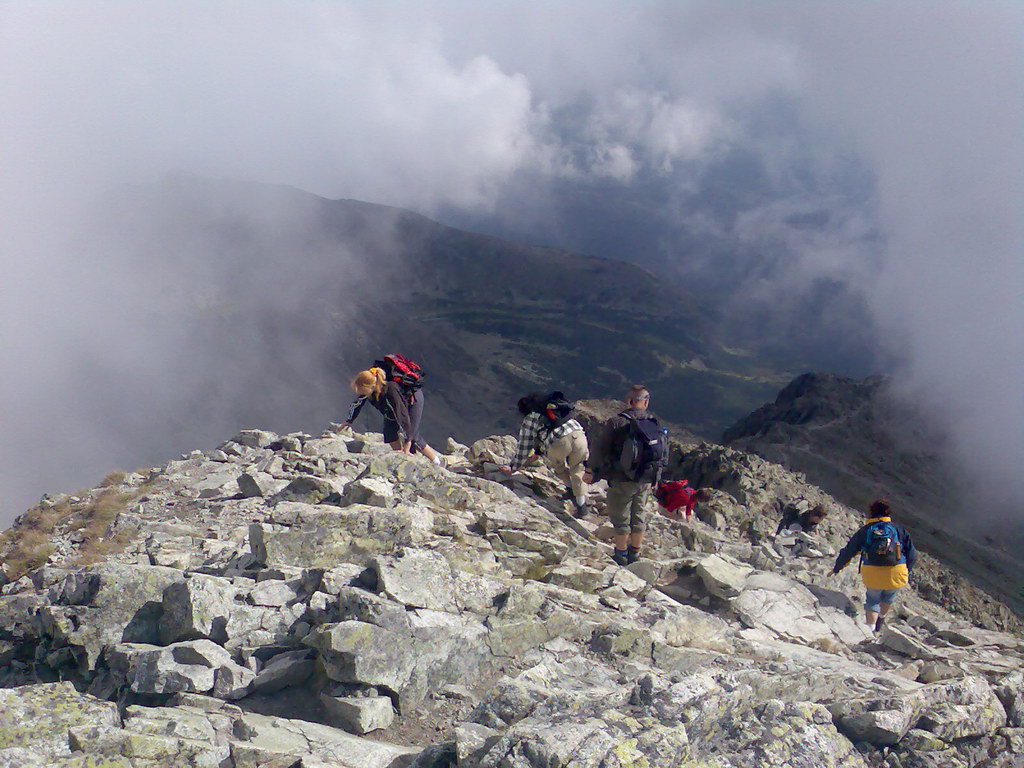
(887, 556)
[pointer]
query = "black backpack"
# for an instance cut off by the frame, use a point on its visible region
(553, 406)
(645, 449)
(882, 545)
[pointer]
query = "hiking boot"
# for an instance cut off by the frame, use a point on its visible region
(620, 557)
(632, 555)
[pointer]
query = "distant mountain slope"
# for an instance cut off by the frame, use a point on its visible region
(857, 442)
(298, 292)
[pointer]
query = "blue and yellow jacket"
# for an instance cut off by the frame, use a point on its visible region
(880, 576)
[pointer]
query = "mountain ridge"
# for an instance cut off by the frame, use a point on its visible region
(858, 441)
(360, 279)
(302, 602)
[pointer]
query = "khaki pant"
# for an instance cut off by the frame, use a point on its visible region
(567, 456)
(627, 506)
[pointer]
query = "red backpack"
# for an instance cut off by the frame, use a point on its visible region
(403, 371)
(674, 495)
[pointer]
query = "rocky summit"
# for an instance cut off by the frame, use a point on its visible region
(290, 601)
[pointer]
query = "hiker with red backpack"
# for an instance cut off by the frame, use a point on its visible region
(631, 452)
(394, 387)
(887, 556)
(678, 499)
(549, 430)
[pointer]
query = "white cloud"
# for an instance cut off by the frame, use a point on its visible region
(331, 98)
(451, 105)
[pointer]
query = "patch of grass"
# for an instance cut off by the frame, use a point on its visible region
(30, 551)
(96, 549)
(113, 478)
(27, 545)
(100, 513)
(94, 521)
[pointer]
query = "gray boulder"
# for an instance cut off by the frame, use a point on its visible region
(722, 578)
(792, 612)
(274, 593)
(407, 662)
(1011, 693)
(36, 719)
(309, 489)
(97, 607)
(473, 741)
(195, 666)
(496, 450)
(904, 643)
(323, 536)
(254, 438)
(253, 484)
(326, 448)
(274, 741)
(374, 491)
(284, 670)
(356, 604)
(359, 714)
(962, 709)
(197, 607)
(417, 578)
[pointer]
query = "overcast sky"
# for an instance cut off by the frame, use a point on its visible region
(476, 109)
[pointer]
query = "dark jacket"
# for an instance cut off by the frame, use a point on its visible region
(803, 519)
(607, 449)
(880, 576)
(393, 403)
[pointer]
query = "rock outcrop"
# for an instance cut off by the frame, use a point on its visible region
(300, 602)
(858, 440)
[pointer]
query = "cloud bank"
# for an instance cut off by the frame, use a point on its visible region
(758, 151)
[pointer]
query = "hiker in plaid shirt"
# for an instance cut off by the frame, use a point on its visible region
(564, 446)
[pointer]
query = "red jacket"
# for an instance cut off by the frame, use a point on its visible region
(675, 496)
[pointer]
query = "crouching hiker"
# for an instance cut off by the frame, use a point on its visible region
(799, 515)
(799, 521)
(678, 499)
(887, 557)
(630, 453)
(395, 390)
(549, 430)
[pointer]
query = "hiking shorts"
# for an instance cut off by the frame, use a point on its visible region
(627, 506)
(393, 432)
(874, 598)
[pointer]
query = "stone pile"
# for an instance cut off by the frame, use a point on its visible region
(303, 602)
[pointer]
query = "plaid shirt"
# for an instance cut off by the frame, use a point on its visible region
(535, 437)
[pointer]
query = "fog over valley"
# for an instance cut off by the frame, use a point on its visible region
(827, 187)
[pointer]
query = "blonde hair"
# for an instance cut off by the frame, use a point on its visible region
(374, 377)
